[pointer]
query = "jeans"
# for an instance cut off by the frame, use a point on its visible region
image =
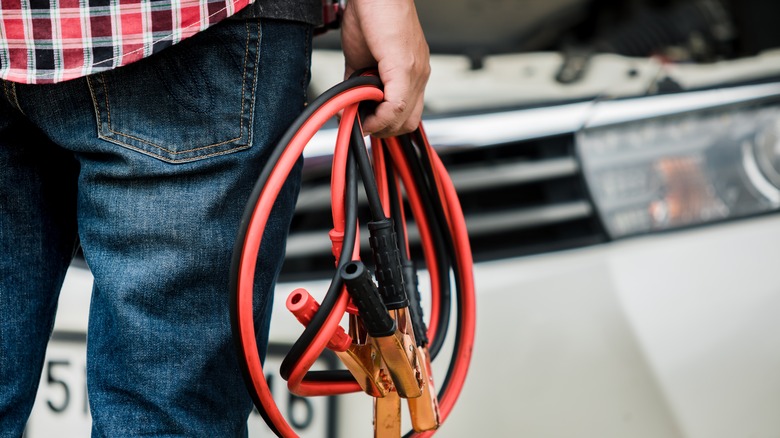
(147, 168)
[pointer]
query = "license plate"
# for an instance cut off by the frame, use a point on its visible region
(61, 407)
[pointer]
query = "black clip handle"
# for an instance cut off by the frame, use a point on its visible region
(366, 297)
(387, 262)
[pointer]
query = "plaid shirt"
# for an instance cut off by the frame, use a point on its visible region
(46, 41)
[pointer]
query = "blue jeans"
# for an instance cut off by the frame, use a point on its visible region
(148, 168)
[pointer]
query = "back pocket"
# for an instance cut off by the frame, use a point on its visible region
(192, 101)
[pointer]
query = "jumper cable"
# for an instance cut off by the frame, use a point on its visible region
(388, 347)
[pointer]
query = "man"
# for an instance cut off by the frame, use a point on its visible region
(145, 158)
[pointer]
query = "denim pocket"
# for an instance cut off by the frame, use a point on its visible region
(191, 101)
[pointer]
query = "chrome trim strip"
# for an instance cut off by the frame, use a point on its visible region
(482, 177)
(621, 111)
(484, 129)
(466, 179)
(317, 242)
(526, 218)
(508, 126)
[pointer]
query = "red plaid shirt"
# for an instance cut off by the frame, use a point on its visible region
(45, 41)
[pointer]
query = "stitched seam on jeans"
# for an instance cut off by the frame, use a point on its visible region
(154, 145)
(9, 97)
(122, 143)
(16, 99)
(95, 106)
(241, 114)
(5, 91)
(255, 74)
(171, 160)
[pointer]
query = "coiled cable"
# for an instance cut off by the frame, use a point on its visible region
(434, 207)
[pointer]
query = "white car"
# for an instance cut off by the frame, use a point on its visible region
(622, 210)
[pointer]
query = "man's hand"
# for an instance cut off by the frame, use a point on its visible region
(387, 34)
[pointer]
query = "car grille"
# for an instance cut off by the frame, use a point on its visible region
(522, 193)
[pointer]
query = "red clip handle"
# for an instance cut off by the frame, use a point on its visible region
(304, 306)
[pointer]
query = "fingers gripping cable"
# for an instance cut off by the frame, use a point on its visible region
(388, 349)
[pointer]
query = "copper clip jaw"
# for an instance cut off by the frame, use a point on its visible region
(410, 368)
(364, 361)
(387, 416)
(399, 352)
(387, 368)
(384, 364)
(424, 410)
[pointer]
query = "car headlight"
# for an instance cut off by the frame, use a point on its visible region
(678, 160)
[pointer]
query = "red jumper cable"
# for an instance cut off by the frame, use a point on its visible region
(388, 348)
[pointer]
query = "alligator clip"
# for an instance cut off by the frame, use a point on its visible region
(407, 363)
(381, 352)
(360, 357)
